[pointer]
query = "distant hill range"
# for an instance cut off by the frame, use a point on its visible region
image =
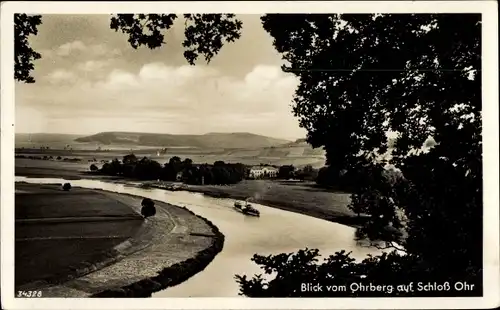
(209, 140)
(246, 148)
(45, 137)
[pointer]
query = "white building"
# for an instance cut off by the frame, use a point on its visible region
(258, 172)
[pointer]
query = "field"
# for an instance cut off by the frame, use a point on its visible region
(297, 197)
(66, 229)
(247, 157)
(297, 153)
(300, 197)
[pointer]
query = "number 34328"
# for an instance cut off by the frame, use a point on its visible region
(29, 294)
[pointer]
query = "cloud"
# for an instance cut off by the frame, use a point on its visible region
(119, 79)
(91, 65)
(102, 50)
(68, 48)
(159, 72)
(202, 99)
(61, 76)
(78, 47)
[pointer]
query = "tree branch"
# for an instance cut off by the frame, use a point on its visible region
(389, 245)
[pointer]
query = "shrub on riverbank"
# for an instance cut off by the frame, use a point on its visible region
(148, 207)
(66, 186)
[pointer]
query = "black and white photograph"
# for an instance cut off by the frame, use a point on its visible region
(264, 155)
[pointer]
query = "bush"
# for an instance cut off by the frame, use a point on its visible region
(66, 186)
(93, 167)
(148, 207)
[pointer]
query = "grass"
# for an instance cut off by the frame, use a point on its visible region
(302, 198)
(52, 201)
(53, 260)
(297, 156)
(299, 197)
(74, 258)
(74, 239)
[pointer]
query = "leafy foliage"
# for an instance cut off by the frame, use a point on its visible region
(339, 275)
(175, 170)
(143, 29)
(361, 76)
(417, 75)
(24, 55)
(286, 172)
(205, 34)
(129, 159)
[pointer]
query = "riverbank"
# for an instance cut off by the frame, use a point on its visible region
(149, 260)
(299, 197)
(176, 273)
(77, 231)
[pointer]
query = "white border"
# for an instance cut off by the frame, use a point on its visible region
(490, 139)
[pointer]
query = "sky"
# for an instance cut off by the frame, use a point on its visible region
(91, 80)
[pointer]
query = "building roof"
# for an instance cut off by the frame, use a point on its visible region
(256, 168)
(263, 168)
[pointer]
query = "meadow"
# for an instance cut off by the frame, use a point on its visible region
(71, 229)
(303, 197)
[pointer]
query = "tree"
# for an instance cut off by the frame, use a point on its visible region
(417, 76)
(175, 166)
(147, 169)
(175, 160)
(188, 162)
(219, 163)
(286, 171)
(205, 34)
(24, 55)
(307, 173)
(129, 159)
(361, 76)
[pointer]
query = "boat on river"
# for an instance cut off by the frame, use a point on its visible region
(246, 208)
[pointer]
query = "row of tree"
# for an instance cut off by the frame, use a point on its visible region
(45, 157)
(175, 169)
(184, 170)
(308, 173)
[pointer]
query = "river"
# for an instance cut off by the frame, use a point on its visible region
(275, 231)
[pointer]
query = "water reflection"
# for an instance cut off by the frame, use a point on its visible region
(276, 231)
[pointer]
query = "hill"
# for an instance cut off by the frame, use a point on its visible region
(209, 140)
(45, 137)
(297, 149)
